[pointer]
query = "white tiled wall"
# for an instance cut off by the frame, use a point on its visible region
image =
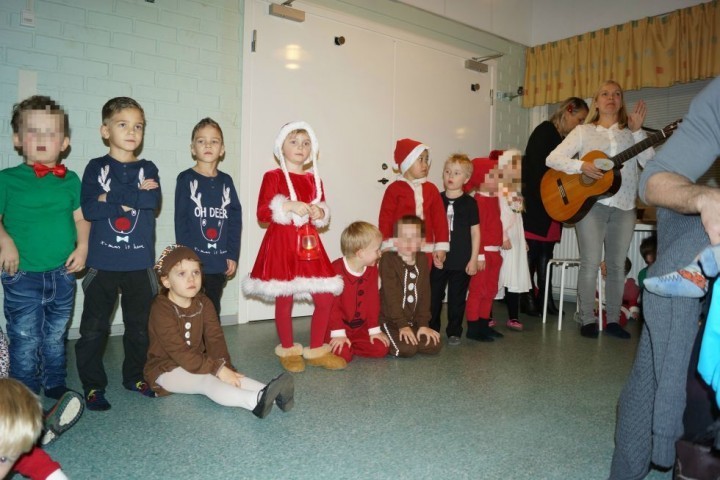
(181, 59)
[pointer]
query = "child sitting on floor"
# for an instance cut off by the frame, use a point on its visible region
(353, 328)
(405, 292)
(188, 353)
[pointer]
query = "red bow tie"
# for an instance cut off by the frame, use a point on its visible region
(42, 170)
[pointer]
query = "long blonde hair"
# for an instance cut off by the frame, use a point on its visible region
(571, 105)
(622, 116)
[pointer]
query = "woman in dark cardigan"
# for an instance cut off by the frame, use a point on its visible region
(542, 232)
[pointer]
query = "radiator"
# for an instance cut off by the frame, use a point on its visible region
(568, 248)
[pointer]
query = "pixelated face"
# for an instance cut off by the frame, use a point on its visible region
(41, 137)
(419, 169)
(369, 255)
(454, 177)
(183, 281)
(296, 149)
(207, 146)
(609, 99)
(408, 240)
(124, 132)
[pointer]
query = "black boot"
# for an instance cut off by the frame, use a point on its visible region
(529, 306)
(480, 331)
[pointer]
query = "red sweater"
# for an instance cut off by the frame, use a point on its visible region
(399, 200)
(491, 233)
(358, 306)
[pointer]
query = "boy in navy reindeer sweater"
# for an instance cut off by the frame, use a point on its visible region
(208, 216)
(120, 195)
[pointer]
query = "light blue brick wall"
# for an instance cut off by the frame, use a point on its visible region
(181, 59)
(87, 51)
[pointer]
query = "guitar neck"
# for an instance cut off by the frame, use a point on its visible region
(641, 146)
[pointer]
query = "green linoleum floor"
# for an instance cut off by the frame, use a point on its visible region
(535, 405)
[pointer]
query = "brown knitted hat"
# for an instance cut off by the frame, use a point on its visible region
(171, 256)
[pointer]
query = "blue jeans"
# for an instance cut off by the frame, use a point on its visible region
(38, 308)
(612, 228)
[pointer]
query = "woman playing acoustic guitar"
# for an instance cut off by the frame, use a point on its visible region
(541, 231)
(610, 129)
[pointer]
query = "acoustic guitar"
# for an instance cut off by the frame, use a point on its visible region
(568, 197)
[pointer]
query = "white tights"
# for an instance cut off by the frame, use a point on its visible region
(180, 380)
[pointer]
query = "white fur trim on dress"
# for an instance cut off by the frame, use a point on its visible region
(374, 330)
(325, 220)
(279, 215)
(299, 287)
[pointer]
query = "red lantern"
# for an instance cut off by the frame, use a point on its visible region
(308, 245)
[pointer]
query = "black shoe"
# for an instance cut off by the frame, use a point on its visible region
(479, 331)
(267, 396)
(56, 392)
(494, 333)
(286, 399)
(615, 330)
(529, 306)
(64, 414)
(590, 330)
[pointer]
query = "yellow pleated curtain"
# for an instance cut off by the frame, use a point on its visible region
(678, 47)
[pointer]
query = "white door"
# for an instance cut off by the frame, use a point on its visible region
(358, 103)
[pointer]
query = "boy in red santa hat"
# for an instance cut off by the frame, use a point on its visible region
(484, 284)
(412, 194)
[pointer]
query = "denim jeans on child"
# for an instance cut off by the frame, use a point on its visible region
(38, 307)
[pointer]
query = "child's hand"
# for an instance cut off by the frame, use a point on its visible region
(439, 258)
(337, 343)
(102, 197)
(149, 184)
(506, 245)
(76, 261)
(229, 377)
(472, 267)
(406, 335)
(480, 265)
(298, 208)
(231, 267)
(315, 212)
(381, 337)
(430, 334)
(9, 257)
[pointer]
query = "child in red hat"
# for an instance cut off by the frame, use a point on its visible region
(484, 284)
(412, 194)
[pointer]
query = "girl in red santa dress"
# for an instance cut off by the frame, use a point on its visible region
(292, 263)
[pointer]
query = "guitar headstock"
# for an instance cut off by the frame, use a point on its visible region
(668, 130)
